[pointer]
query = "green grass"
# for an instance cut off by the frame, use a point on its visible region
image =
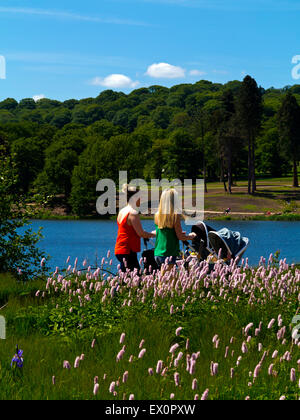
(49, 334)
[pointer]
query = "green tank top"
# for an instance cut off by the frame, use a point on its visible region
(167, 243)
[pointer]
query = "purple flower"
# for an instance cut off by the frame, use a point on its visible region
(66, 365)
(17, 360)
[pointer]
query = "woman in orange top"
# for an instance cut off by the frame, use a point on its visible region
(130, 232)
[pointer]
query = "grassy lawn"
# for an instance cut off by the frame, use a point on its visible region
(275, 196)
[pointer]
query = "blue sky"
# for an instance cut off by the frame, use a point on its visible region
(76, 49)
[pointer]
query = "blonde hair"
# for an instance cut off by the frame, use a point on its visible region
(168, 209)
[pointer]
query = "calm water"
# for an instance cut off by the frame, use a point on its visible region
(92, 239)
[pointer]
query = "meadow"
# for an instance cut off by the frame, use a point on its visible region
(227, 332)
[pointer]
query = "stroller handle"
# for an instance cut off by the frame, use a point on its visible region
(146, 242)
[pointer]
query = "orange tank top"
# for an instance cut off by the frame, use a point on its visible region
(128, 240)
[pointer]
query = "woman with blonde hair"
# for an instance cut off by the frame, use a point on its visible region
(130, 232)
(168, 229)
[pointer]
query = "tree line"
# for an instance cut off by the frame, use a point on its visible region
(218, 132)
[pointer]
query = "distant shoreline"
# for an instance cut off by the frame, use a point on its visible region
(208, 216)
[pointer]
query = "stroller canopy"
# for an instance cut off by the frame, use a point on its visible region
(228, 241)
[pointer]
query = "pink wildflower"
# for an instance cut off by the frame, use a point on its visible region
(112, 387)
(271, 323)
(293, 375)
(159, 367)
(96, 389)
(174, 348)
(125, 377)
(244, 348)
(178, 331)
(76, 363)
(66, 365)
(205, 395)
(142, 353)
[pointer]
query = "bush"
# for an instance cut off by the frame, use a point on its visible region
(18, 252)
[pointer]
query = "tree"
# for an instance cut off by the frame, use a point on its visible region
(183, 157)
(61, 117)
(104, 159)
(269, 158)
(60, 158)
(162, 116)
(289, 132)
(9, 104)
(19, 254)
(6, 116)
(27, 103)
(229, 141)
(249, 115)
(28, 157)
(198, 130)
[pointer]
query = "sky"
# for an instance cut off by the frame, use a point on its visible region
(76, 49)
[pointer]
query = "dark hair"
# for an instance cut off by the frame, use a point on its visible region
(130, 191)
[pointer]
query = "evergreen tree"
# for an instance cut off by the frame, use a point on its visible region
(249, 116)
(289, 132)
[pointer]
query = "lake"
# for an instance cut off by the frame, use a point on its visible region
(91, 240)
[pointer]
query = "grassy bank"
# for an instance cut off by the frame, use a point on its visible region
(57, 320)
(274, 199)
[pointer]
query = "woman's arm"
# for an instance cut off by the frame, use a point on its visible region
(135, 221)
(179, 232)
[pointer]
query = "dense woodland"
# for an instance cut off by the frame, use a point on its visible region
(219, 132)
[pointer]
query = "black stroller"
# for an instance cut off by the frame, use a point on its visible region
(149, 262)
(214, 245)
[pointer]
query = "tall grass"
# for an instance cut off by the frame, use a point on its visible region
(51, 325)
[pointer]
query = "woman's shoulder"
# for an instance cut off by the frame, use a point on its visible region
(132, 211)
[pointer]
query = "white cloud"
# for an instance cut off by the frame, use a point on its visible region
(166, 71)
(60, 14)
(37, 98)
(115, 81)
(197, 73)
